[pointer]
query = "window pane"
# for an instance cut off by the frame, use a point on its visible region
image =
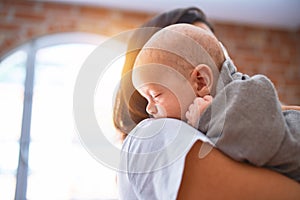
(12, 78)
(59, 166)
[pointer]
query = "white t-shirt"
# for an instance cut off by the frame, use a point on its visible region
(153, 157)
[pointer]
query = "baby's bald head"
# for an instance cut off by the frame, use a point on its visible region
(183, 43)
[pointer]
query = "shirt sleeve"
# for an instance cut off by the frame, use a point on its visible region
(153, 157)
(125, 188)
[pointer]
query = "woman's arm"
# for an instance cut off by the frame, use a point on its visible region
(218, 177)
(284, 107)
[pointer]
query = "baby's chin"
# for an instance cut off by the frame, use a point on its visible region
(183, 118)
(179, 118)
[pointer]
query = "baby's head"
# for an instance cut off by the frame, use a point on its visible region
(177, 64)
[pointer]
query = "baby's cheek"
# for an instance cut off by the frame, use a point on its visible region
(176, 110)
(162, 111)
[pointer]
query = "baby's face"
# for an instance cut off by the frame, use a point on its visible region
(168, 92)
(162, 102)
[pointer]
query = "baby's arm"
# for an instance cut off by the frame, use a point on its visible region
(196, 109)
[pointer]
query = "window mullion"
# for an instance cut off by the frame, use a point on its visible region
(22, 171)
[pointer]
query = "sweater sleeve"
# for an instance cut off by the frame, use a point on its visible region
(245, 120)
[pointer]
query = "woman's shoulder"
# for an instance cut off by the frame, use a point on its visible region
(164, 141)
(156, 134)
(153, 157)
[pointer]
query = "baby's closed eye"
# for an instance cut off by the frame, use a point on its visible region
(155, 96)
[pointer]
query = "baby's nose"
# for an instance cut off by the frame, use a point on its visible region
(151, 108)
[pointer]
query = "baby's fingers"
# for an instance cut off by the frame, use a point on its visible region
(208, 98)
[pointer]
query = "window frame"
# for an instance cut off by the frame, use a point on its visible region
(31, 48)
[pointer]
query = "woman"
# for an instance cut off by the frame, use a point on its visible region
(214, 177)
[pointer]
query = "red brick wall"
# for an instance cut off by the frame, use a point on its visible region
(20, 21)
(273, 52)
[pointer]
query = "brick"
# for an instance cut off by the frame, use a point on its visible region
(138, 17)
(256, 39)
(95, 13)
(9, 27)
(19, 3)
(3, 13)
(30, 17)
(252, 58)
(58, 7)
(60, 27)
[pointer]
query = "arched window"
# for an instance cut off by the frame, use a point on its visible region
(40, 153)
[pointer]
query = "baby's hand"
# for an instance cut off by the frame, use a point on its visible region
(196, 109)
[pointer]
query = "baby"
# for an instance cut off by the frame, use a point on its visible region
(242, 116)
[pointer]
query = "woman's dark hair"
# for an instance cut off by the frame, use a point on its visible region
(130, 106)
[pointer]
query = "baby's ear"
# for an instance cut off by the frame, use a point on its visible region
(202, 78)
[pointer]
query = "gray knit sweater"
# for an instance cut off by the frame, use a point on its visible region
(246, 122)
